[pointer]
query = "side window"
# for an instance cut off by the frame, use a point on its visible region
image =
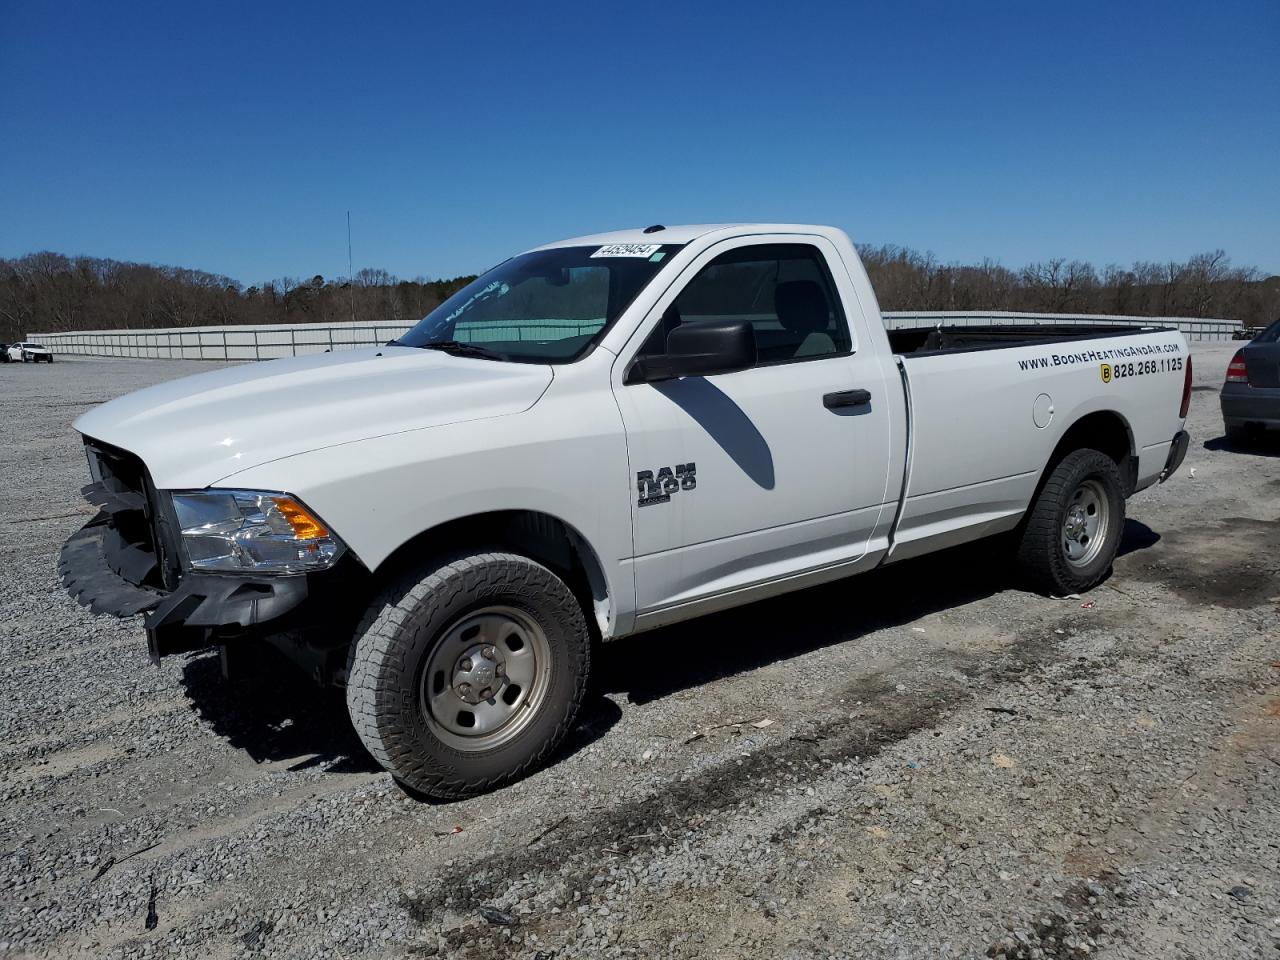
(783, 289)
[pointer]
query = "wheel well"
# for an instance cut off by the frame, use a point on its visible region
(538, 536)
(1105, 431)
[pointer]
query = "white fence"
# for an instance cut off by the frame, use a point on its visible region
(266, 342)
(1195, 328)
(249, 342)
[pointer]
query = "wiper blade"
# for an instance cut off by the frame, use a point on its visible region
(460, 349)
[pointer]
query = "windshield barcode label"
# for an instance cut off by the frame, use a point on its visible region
(627, 250)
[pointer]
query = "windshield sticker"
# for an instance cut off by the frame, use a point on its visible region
(627, 250)
(498, 287)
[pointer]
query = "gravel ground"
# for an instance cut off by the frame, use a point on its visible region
(918, 762)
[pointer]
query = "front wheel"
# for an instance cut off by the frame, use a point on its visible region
(465, 676)
(1073, 529)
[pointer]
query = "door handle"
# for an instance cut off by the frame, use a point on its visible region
(846, 398)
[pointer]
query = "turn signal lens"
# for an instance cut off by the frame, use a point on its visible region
(1238, 370)
(305, 526)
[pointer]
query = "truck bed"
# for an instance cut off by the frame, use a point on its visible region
(956, 339)
(987, 405)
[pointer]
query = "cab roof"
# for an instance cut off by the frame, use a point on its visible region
(680, 233)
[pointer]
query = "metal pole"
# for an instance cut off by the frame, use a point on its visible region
(351, 280)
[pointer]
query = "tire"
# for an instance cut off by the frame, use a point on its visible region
(412, 656)
(1065, 546)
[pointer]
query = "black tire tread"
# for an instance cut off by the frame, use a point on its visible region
(1039, 554)
(370, 685)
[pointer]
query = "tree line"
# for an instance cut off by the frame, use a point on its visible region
(1206, 285)
(49, 292)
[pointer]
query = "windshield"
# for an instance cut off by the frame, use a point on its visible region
(548, 306)
(1269, 335)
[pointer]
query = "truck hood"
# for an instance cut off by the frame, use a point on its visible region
(195, 431)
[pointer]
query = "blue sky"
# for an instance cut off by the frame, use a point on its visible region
(234, 137)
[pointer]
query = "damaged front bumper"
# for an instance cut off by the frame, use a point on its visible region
(126, 561)
(201, 609)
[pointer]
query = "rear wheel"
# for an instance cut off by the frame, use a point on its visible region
(1074, 527)
(467, 675)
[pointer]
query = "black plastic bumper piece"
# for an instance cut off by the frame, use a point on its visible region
(210, 600)
(1177, 453)
(90, 579)
(205, 604)
(186, 618)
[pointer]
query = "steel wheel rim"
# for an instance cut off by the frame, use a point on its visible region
(1085, 523)
(485, 679)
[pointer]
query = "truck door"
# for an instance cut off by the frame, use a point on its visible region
(748, 480)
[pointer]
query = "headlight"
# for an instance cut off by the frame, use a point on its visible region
(237, 531)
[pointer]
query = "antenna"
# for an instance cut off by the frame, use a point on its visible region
(351, 280)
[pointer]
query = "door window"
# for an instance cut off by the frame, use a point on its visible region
(783, 289)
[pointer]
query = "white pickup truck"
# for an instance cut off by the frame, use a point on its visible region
(595, 438)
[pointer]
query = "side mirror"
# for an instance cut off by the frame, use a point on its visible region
(699, 349)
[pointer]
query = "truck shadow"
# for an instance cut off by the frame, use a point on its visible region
(726, 423)
(659, 663)
(276, 714)
(1137, 536)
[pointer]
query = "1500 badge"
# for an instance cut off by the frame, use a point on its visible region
(658, 489)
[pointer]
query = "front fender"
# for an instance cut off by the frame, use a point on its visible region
(378, 494)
